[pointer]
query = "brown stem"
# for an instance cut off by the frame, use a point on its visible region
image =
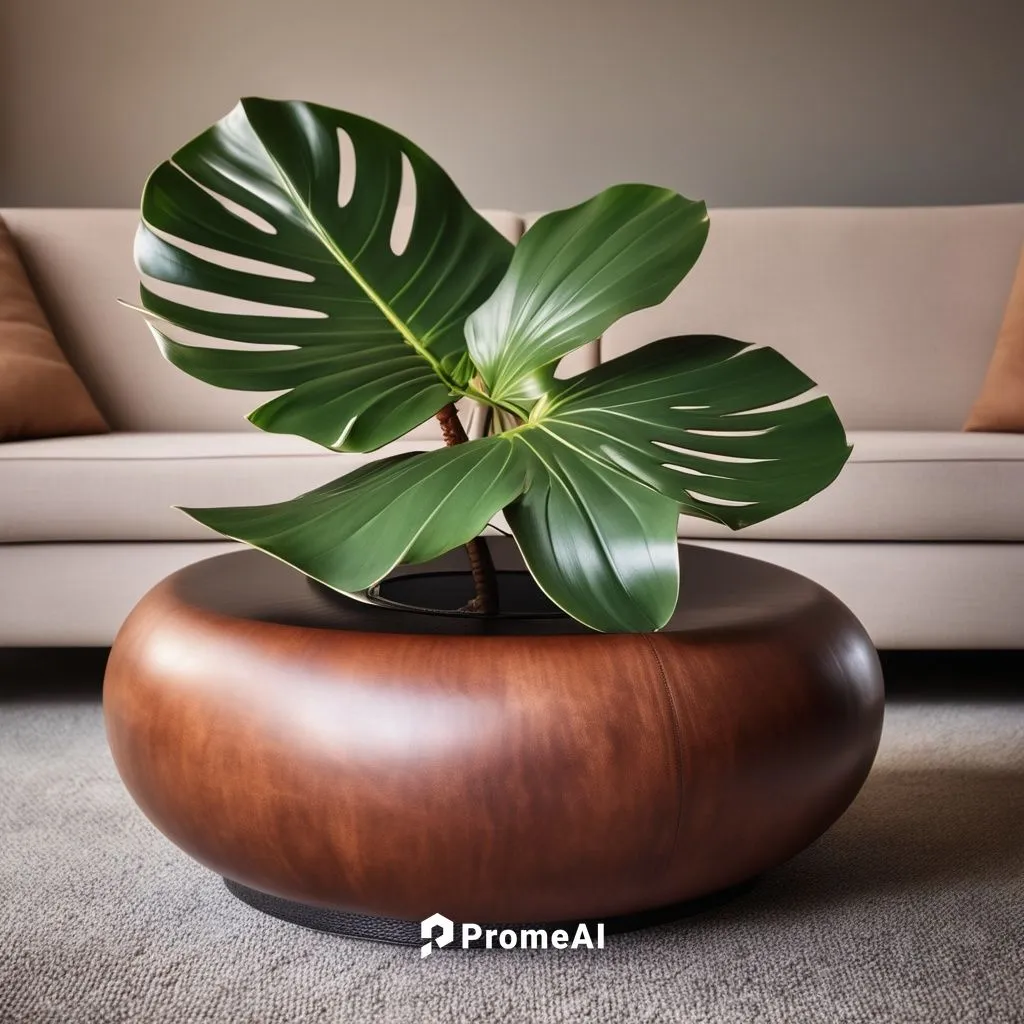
(485, 580)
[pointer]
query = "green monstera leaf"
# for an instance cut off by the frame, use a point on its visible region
(592, 483)
(601, 545)
(351, 533)
(682, 425)
(592, 472)
(366, 342)
(690, 418)
(574, 274)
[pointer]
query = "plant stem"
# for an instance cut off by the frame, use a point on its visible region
(485, 580)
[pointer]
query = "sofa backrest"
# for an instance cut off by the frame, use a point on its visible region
(80, 262)
(894, 312)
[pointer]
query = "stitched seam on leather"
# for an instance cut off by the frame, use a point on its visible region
(677, 735)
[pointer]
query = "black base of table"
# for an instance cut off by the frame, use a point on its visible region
(400, 932)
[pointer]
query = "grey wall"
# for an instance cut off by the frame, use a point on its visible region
(537, 103)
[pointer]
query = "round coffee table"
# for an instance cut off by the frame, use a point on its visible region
(360, 768)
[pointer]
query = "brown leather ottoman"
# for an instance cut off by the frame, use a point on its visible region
(341, 762)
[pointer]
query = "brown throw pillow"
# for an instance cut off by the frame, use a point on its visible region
(40, 394)
(1000, 406)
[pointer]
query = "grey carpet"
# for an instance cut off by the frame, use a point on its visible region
(911, 909)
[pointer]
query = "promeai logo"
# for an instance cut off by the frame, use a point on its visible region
(508, 938)
(427, 932)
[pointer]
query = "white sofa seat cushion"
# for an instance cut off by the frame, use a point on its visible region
(898, 485)
(907, 486)
(122, 487)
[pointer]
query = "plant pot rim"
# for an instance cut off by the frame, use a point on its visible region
(719, 591)
(519, 580)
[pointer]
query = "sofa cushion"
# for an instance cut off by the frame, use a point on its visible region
(892, 311)
(122, 487)
(40, 393)
(1000, 406)
(909, 486)
(81, 263)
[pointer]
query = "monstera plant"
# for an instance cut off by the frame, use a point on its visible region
(289, 210)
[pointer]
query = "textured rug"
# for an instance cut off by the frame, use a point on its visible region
(911, 909)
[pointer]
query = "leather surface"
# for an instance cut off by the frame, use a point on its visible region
(399, 932)
(491, 777)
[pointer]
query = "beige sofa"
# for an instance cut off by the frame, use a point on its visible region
(893, 311)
